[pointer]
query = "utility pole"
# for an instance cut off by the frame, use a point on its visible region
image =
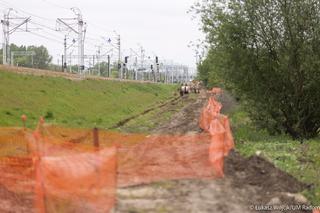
(80, 40)
(135, 64)
(158, 76)
(80, 32)
(125, 68)
(108, 66)
(172, 74)
(5, 27)
(62, 63)
(142, 54)
(98, 59)
(136, 69)
(65, 54)
(119, 58)
(9, 28)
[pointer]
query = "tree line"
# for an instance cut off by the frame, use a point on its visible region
(268, 54)
(41, 58)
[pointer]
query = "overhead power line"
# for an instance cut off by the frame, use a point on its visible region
(46, 37)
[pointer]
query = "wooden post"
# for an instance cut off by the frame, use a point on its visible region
(96, 138)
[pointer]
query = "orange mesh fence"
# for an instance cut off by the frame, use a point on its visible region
(13, 142)
(159, 158)
(78, 170)
(77, 183)
(218, 126)
(16, 184)
(72, 177)
(16, 172)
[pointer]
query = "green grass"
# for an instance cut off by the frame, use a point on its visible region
(157, 117)
(300, 160)
(70, 103)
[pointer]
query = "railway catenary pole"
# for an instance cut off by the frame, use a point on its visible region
(9, 28)
(135, 64)
(80, 32)
(108, 66)
(80, 40)
(119, 55)
(171, 68)
(158, 76)
(65, 54)
(98, 59)
(142, 55)
(136, 68)
(5, 27)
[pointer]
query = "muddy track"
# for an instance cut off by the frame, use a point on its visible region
(248, 181)
(185, 121)
(125, 121)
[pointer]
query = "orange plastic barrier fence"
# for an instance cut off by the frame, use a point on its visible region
(76, 183)
(70, 178)
(16, 184)
(219, 128)
(78, 170)
(160, 158)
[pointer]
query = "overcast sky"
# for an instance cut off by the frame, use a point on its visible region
(162, 27)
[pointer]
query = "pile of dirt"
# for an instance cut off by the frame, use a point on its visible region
(269, 181)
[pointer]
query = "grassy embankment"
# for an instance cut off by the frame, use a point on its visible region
(64, 102)
(300, 160)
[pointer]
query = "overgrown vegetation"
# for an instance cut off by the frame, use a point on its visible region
(86, 103)
(267, 52)
(300, 160)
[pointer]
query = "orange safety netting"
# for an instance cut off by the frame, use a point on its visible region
(159, 158)
(71, 177)
(76, 183)
(218, 126)
(78, 170)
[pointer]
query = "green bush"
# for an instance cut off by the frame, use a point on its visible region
(268, 53)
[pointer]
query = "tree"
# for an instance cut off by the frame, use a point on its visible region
(40, 60)
(268, 52)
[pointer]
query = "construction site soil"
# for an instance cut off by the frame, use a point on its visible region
(249, 183)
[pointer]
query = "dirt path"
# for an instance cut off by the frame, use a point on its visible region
(252, 181)
(185, 121)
